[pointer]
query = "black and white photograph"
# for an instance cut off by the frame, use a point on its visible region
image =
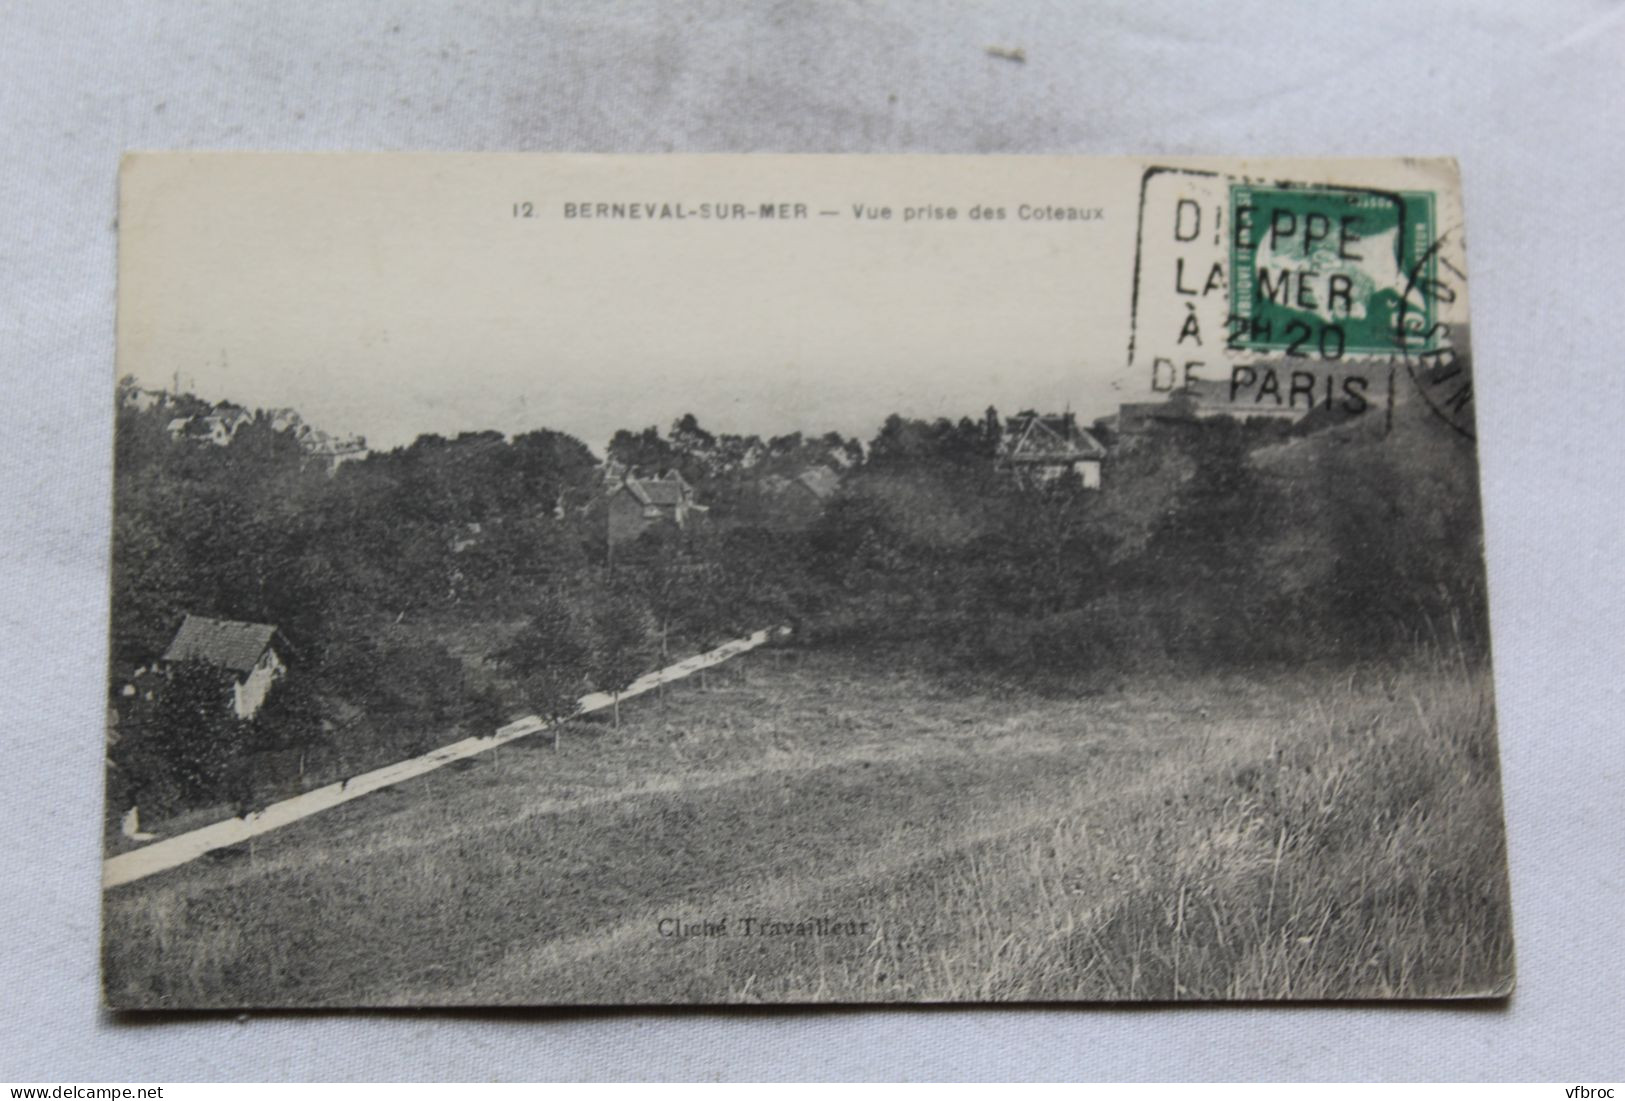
(910, 541)
(546, 580)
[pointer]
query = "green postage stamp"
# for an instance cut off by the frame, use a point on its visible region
(1330, 270)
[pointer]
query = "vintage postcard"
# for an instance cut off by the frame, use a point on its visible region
(588, 580)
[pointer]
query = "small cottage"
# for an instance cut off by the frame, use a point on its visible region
(637, 504)
(819, 483)
(248, 652)
(1038, 448)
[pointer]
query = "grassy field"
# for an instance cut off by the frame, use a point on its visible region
(1298, 834)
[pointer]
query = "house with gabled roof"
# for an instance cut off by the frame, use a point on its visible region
(637, 504)
(218, 427)
(1039, 448)
(248, 653)
(820, 482)
(1207, 399)
(142, 401)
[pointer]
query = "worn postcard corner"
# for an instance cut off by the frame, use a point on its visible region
(549, 580)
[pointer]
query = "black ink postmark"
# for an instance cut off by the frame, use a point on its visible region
(1271, 297)
(1436, 352)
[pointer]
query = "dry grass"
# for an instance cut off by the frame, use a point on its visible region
(1299, 835)
(1357, 853)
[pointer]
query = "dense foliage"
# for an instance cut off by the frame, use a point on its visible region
(454, 582)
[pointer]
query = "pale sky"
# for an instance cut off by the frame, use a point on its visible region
(391, 295)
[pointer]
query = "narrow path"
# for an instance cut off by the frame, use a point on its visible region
(172, 852)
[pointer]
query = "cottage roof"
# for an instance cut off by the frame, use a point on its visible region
(1050, 437)
(236, 645)
(669, 491)
(663, 493)
(820, 481)
(1136, 417)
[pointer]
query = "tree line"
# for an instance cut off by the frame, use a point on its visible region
(454, 582)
